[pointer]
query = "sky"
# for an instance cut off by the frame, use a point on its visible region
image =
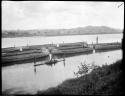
(61, 14)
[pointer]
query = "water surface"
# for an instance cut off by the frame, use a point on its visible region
(40, 40)
(21, 79)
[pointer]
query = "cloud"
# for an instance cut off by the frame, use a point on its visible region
(60, 14)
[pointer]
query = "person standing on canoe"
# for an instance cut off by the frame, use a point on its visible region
(50, 55)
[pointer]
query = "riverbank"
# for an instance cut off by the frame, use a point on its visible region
(58, 35)
(61, 32)
(105, 80)
(27, 53)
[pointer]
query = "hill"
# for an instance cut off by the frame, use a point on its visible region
(60, 32)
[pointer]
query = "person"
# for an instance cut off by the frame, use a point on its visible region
(50, 55)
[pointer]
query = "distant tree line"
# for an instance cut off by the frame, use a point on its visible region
(60, 32)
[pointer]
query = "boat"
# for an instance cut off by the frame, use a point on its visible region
(49, 62)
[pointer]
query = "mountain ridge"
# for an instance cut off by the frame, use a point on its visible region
(60, 32)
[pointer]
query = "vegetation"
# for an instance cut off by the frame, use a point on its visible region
(85, 69)
(60, 32)
(105, 80)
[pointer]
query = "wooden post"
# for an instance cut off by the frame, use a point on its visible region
(97, 40)
(64, 59)
(34, 64)
(34, 60)
(35, 69)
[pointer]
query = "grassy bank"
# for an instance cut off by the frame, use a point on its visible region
(105, 80)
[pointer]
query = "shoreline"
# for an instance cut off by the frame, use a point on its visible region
(61, 35)
(105, 80)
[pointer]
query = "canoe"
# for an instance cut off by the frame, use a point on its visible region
(48, 62)
(51, 62)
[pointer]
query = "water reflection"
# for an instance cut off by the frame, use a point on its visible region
(51, 62)
(27, 78)
(34, 69)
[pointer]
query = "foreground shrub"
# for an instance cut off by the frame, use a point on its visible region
(105, 80)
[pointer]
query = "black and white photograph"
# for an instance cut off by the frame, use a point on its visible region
(62, 47)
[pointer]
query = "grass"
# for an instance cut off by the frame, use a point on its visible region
(105, 80)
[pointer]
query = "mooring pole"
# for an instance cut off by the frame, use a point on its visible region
(97, 40)
(94, 48)
(35, 69)
(54, 59)
(34, 64)
(34, 60)
(64, 59)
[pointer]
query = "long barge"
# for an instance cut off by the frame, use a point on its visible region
(14, 54)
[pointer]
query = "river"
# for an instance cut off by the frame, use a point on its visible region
(21, 78)
(39, 40)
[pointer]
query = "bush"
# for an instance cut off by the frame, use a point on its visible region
(84, 68)
(105, 80)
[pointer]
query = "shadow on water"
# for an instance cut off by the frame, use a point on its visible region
(14, 91)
